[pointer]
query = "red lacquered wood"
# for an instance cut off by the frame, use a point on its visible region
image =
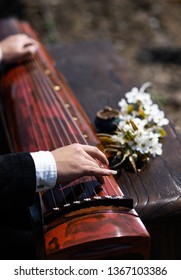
(43, 114)
(105, 241)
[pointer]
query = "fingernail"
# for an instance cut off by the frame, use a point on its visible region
(114, 172)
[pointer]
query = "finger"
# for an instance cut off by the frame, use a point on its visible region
(31, 49)
(98, 163)
(107, 172)
(90, 158)
(95, 153)
(25, 39)
(30, 41)
(96, 171)
(99, 174)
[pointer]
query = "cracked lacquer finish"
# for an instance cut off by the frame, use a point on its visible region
(83, 219)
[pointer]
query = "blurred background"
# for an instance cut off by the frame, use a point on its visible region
(145, 33)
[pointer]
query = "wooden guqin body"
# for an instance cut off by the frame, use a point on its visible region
(82, 220)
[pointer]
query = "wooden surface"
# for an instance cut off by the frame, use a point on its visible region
(42, 113)
(99, 77)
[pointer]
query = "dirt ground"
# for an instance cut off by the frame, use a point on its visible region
(145, 33)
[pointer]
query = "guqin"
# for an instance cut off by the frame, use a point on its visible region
(82, 220)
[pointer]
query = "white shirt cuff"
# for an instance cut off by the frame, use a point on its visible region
(46, 170)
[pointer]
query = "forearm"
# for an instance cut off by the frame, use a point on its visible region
(17, 179)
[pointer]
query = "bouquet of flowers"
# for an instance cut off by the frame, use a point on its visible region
(139, 130)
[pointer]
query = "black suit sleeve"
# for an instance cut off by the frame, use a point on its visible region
(17, 180)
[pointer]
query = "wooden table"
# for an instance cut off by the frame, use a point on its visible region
(99, 77)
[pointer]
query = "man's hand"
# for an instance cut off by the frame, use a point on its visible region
(76, 160)
(16, 48)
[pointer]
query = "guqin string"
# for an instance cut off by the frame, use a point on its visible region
(52, 116)
(83, 219)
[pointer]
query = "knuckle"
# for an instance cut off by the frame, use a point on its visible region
(77, 147)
